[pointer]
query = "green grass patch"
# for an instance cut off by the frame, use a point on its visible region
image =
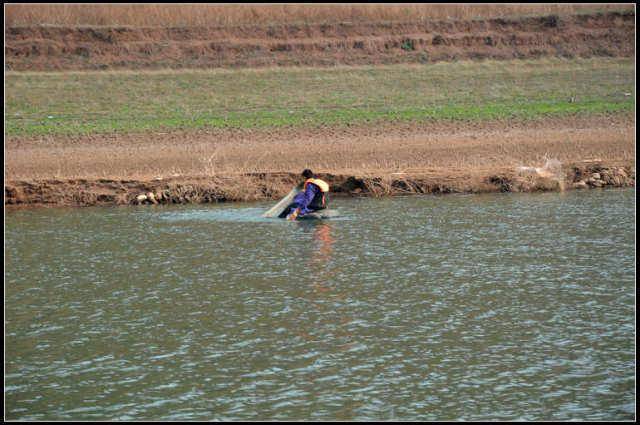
(101, 102)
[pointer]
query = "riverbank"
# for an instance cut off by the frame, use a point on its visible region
(556, 153)
(264, 186)
(111, 138)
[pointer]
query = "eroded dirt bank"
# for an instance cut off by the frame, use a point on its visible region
(48, 48)
(264, 186)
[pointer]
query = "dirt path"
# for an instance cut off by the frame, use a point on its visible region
(83, 48)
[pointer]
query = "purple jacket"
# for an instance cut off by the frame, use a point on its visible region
(303, 199)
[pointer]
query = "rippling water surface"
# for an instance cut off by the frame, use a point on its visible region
(482, 307)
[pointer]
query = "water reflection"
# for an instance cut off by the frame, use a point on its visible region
(319, 272)
(327, 294)
(322, 235)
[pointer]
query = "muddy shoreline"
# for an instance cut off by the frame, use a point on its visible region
(272, 186)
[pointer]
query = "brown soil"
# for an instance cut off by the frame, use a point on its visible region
(47, 48)
(390, 159)
(263, 186)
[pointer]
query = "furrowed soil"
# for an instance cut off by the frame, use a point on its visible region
(46, 48)
(385, 159)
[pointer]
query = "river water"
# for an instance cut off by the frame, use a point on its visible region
(478, 307)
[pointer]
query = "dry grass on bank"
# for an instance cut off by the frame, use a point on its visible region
(456, 148)
(174, 15)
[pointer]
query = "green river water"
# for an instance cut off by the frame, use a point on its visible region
(478, 307)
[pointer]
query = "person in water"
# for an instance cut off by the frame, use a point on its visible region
(312, 198)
